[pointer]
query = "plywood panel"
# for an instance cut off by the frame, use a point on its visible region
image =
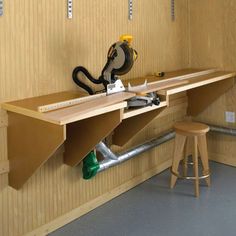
(31, 143)
(213, 44)
(83, 136)
(39, 47)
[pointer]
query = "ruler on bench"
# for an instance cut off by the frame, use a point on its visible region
(68, 103)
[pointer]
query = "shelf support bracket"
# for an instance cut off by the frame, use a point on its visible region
(84, 135)
(31, 142)
(131, 126)
(201, 97)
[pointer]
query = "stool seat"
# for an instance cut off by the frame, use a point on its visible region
(191, 128)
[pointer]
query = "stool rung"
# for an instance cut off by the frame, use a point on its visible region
(190, 177)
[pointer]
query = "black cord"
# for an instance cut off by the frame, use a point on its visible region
(82, 69)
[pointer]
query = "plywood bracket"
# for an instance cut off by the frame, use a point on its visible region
(201, 97)
(31, 142)
(131, 126)
(84, 135)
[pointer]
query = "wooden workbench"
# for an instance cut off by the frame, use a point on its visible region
(34, 136)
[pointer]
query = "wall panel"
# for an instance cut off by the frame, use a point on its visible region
(39, 47)
(213, 44)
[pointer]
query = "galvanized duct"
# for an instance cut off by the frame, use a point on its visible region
(222, 130)
(107, 163)
(105, 151)
(112, 159)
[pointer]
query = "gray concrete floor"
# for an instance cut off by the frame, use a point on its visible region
(152, 209)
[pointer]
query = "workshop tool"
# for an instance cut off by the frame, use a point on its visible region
(159, 74)
(142, 99)
(120, 60)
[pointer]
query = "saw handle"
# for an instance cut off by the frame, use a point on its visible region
(81, 69)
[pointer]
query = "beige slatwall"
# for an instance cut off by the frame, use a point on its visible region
(213, 44)
(39, 47)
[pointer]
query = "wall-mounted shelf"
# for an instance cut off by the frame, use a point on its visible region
(33, 136)
(198, 81)
(29, 107)
(203, 90)
(194, 81)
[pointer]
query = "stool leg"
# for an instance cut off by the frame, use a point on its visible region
(195, 161)
(185, 160)
(202, 146)
(178, 151)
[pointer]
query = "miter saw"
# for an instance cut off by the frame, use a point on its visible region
(120, 59)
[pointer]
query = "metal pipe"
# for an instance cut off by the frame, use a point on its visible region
(105, 151)
(112, 159)
(222, 130)
(105, 164)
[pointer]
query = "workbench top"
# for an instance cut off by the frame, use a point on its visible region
(171, 83)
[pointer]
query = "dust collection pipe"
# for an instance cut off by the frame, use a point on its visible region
(107, 163)
(91, 166)
(222, 130)
(105, 151)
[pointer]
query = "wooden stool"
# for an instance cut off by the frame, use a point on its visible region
(198, 131)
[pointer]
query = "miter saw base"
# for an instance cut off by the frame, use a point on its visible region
(115, 87)
(143, 101)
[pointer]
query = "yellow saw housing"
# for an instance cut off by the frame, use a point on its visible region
(121, 56)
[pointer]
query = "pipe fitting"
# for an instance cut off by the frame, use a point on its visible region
(105, 151)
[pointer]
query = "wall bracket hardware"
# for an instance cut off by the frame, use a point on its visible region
(1, 7)
(69, 9)
(173, 10)
(130, 10)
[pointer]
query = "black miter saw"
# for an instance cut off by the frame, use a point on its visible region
(120, 60)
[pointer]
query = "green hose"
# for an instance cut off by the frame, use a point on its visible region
(90, 166)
